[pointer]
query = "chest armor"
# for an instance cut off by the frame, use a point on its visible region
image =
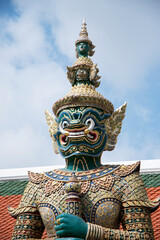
(100, 196)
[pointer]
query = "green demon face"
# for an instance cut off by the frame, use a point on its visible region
(81, 130)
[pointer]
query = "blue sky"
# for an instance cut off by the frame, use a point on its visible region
(37, 43)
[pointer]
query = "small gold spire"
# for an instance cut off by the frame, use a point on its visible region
(84, 20)
(84, 34)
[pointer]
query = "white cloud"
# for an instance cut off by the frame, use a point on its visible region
(143, 113)
(125, 150)
(22, 146)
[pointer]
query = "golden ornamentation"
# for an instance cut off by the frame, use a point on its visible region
(113, 127)
(83, 95)
(58, 221)
(83, 61)
(52, 129)
(81, 162)
(105, 182)
(119, 188)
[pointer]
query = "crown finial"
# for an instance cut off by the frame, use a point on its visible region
(83, 38)
(84, 34)
(83, 70)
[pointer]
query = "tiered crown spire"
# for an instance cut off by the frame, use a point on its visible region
(83, 71)
(83, 37)
(83, 75)
(83, 33)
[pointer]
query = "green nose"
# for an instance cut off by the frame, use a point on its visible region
(77, 116)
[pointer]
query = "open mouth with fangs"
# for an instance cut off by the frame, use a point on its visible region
(77, 133)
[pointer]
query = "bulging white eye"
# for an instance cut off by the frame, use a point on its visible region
(89, 122)
(64, 124)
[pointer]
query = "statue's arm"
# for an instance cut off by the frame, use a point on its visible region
(28, 220)
(135, 216)
(135, 213)
(28, 225)
(136, 224)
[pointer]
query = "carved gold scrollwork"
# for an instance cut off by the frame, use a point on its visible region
(105, 182)
(53, 186)
(85, 186)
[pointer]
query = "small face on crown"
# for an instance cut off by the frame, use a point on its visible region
(82, 74)
(81, 131)
(82, 49)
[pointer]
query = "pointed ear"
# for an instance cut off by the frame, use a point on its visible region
(53, 125)
(113, 127)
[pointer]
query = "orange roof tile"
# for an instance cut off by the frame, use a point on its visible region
(7, 222)
(154, 193)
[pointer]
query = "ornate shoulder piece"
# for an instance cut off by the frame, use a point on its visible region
(53, 186)
(36, 177)
(125, 170)
(113, 127)
(152, 205)
(14, 212)
(27, 203)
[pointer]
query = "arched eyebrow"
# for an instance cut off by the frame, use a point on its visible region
(99, 115)
(68, 114)
(64, 115)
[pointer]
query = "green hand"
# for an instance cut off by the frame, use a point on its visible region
(70, 226)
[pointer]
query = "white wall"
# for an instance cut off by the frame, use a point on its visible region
(147, 166)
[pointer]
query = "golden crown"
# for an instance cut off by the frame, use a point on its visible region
(83, 75)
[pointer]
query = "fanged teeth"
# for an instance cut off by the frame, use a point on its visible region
(77, 134)
(90, 136)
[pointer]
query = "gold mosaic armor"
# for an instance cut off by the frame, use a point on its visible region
(110, 195)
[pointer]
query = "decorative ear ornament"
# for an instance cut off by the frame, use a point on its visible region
(71, 75)
(113, 127)
(93, 75)
(53, 125)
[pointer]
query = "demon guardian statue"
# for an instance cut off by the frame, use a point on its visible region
(85, 200)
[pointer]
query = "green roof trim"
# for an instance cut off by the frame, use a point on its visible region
(12, 188)
(17, 187)
(151, 180)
